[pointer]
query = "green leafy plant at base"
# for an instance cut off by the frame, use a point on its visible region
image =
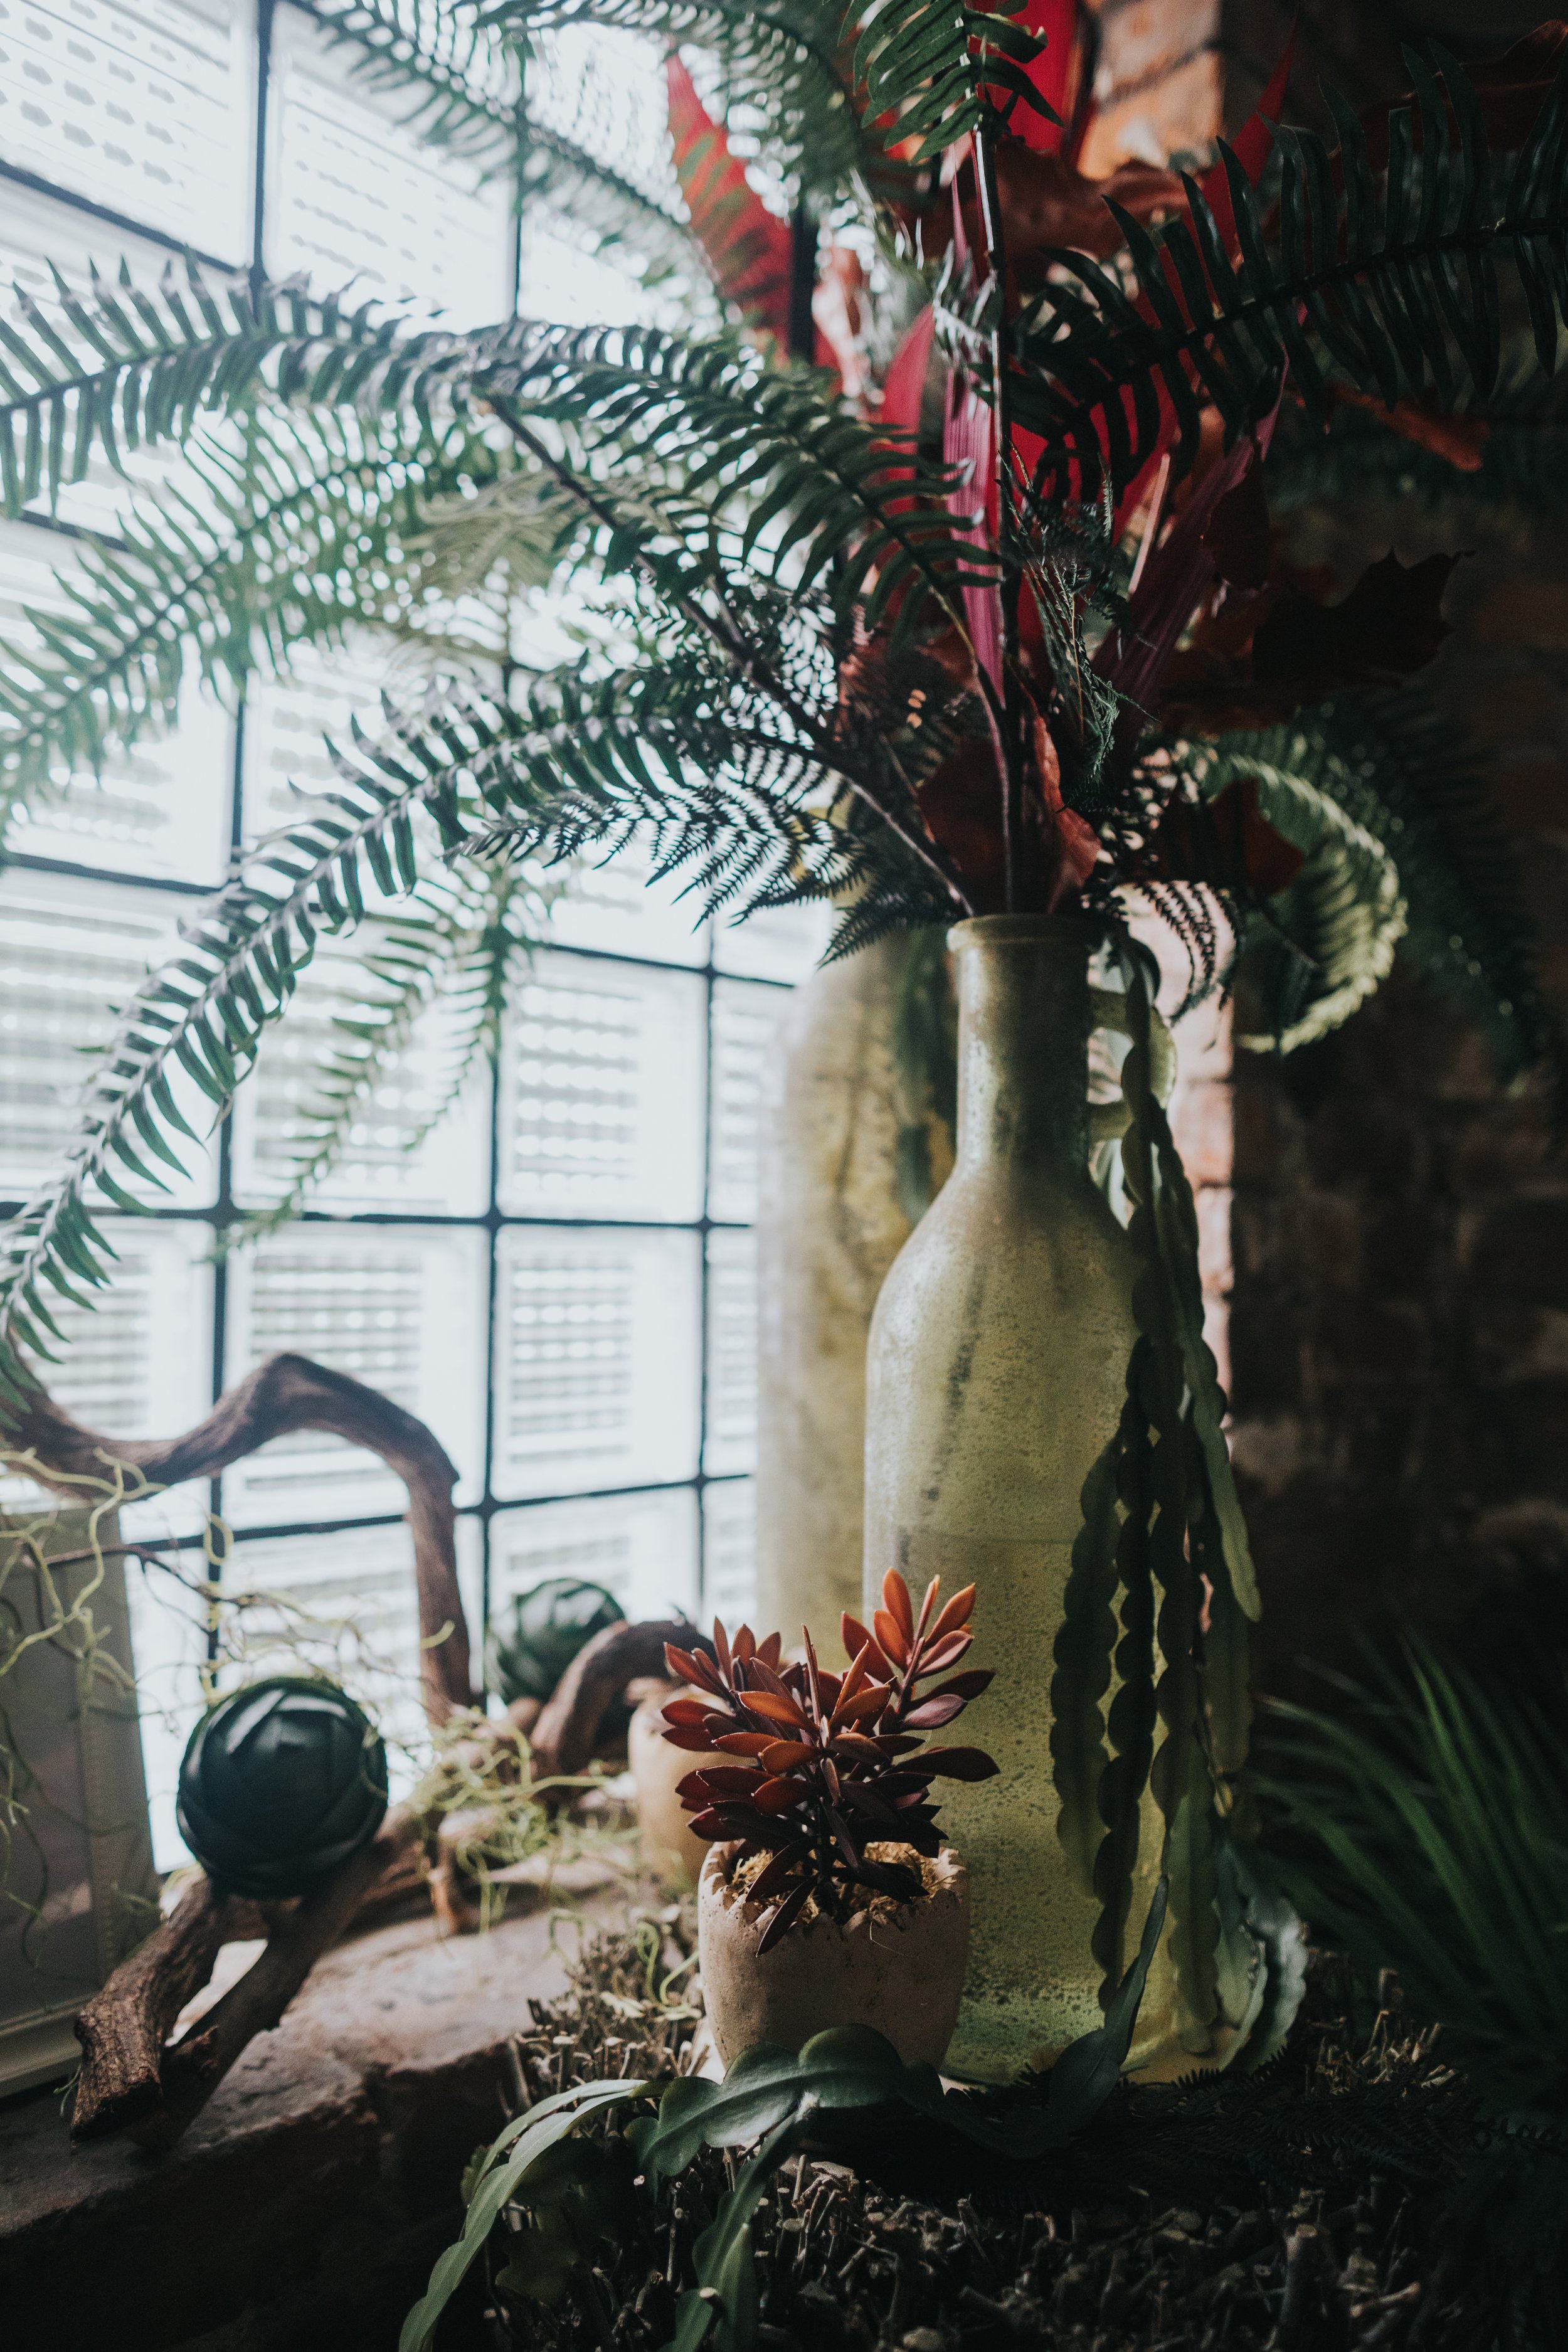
(782, 2101)
(1427, 1832)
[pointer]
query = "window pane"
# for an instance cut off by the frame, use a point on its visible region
(353, 193)
(400, 1308)
(69, 953)
(602, 1092)
(138, 1363)
(597, 1359)
(275, 1115)
(777, 944)
(641, 1548)
(346, 1605)
(143, 105)
(161, 811)
(732, 1437)
(617, 907)
(730, 1557)
(745, 1015)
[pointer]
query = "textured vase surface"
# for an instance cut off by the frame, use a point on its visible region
(829, 1226)
(995, 1374)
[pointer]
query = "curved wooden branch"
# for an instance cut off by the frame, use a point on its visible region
(284, 1394)
(122, 2029)
(563, 1738)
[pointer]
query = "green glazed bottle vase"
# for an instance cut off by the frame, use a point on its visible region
(995, 1375)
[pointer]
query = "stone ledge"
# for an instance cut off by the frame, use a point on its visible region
(304, 2207)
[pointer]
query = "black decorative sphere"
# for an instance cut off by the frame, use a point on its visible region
(550, 1623)
(280, 1782)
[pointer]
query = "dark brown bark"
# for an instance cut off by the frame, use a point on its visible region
(196, 2065)
(287, 1394)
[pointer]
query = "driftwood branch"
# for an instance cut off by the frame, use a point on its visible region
(564, 1736)
(284, 1394)
(122, 2029)
(196, 2065)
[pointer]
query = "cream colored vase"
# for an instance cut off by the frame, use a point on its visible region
(995, 1375)
(828, 1228)
(899, 1968)
(674, 1853)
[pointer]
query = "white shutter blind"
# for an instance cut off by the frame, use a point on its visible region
(641, 1548)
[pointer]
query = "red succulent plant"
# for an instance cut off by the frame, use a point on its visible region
(826, 1764)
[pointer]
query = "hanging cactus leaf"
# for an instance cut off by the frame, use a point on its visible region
(550, 1623)
(282, 1782)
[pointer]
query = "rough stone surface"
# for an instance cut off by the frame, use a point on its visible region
(305, 2206)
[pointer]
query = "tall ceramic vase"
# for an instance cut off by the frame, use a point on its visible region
(995, 1375)
(832, 1218)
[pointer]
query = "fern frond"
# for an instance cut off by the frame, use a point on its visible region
(1391, 277)
(311, 524)
(824, 491)
(458, 941)
(1335, 932)
(1403, 771)
(205, 1011)
(935, 68)
(122, 367)
(464, 81)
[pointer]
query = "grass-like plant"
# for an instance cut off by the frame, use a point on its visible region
(1427, 1832)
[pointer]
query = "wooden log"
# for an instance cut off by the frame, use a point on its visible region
(287, 1394)
(567, 1727)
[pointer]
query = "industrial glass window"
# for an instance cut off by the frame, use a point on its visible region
(560, 1278)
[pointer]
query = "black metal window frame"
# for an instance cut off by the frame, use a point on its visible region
(223, 1210)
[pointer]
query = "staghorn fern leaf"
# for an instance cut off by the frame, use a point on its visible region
(1363, 275)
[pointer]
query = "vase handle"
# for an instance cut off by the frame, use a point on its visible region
(1107, 1010)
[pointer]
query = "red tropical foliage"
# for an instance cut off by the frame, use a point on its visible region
(826, 1764)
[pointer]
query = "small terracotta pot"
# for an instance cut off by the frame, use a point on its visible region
(656, 1767)
(900, 1970)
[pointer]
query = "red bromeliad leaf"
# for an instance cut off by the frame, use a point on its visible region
(856, 1639)
(891, 1637)
(768, 1651)
(686, 1710)
(749, 252)
(745, 1643)
(783, 1918)
(697, 1742)
(776, 1796)
(787, 1755)
(692, 1666)
(933, 1713)
(863, 1706)
(956, 1764)
(966, 1685)
(720, 1781)
(745, 1743)
(770, 1879)
(775, 1709)
(860, 1749)
(956, 1613)
(722, 1645)
(895, 1601)
(936, 1658)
